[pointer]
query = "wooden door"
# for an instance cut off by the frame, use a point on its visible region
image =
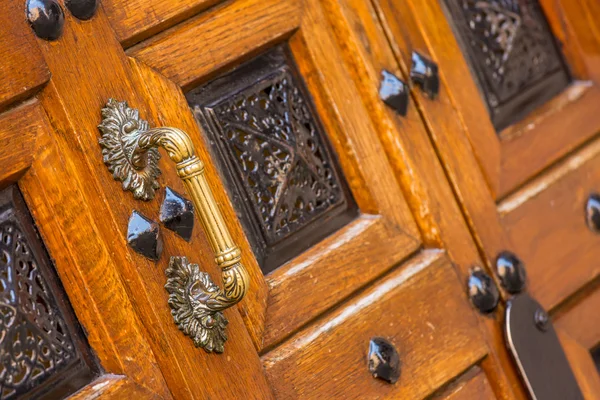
(360, 249)
(526, 184)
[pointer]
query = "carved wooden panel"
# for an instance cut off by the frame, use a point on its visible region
(281, 172)
(512, 52)
(42, 350)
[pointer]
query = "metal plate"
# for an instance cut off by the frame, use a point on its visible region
(537, 351)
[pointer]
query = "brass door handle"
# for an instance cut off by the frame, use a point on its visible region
(130, 151)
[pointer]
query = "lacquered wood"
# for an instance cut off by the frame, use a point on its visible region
(398, 270)
(583, 366)
(579, 317)
(19, 129)
(472, 385)
(82, 81)
(68, 231)
(408, 147)
(328, 359)
(550, 132)
(135, 20)
(218, 38)
(22, 70)
(283, 301)
(546, 223)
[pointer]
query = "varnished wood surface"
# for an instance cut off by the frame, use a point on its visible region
(583, 366)
(546, 223)
(580, 320)
(22, 67)
(135, 20)
(84, 265)
(419, 308)
(470, 386)
(89, 66)
(114, 387)
(283, 301)
(196, 49)
(19, 129)
(413, 157)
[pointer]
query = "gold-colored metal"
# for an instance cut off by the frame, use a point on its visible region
(130, 152)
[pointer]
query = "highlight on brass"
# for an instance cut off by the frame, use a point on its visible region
(130, 151)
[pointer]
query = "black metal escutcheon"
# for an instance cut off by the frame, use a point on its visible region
(534, 345)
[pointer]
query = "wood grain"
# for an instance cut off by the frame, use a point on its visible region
(289, 303)
(583, 366)
(22, 70)
(19, 129)
(546, 223)
(416, 165)
(197, 49)
(85, 265)
(113, 387)
(580, 320)
(471, 385)
(82, 82)
(136, 20)
(329, 359)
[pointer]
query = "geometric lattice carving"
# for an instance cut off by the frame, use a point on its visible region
(262, 123)
(37, 343)
(513, 53)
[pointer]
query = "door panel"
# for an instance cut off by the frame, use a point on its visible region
(539, 222)
(546, 223)
(546, 134)
(384, 232)
(337, 346)
(23, 69)
(78, 206)
(472, 385)
(30, 156)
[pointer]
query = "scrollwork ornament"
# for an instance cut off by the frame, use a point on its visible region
(130, 152)
(122, 128)
(195, 303)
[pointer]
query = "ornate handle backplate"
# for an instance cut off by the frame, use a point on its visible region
(130, 152)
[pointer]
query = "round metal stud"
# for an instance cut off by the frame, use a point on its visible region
(46, 18)
(82, 9)
(592, 212)
(511, 271)
(383, 360)
(541, 319)
(482, 291)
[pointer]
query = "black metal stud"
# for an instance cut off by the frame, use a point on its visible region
(393, 92)
(511, 271)
(592, 212)
(384, 362)
(424, 73)
(177, 214)
(46, 18)
(82, 9)
(482, 291)
(143, 236)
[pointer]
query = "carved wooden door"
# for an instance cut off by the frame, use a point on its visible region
(515, 126)
(325, 254)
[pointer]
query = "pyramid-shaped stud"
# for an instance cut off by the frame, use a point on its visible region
(177, 214)
(394, 92)
(143, 236)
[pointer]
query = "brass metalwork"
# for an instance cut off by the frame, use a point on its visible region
(130, 152)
